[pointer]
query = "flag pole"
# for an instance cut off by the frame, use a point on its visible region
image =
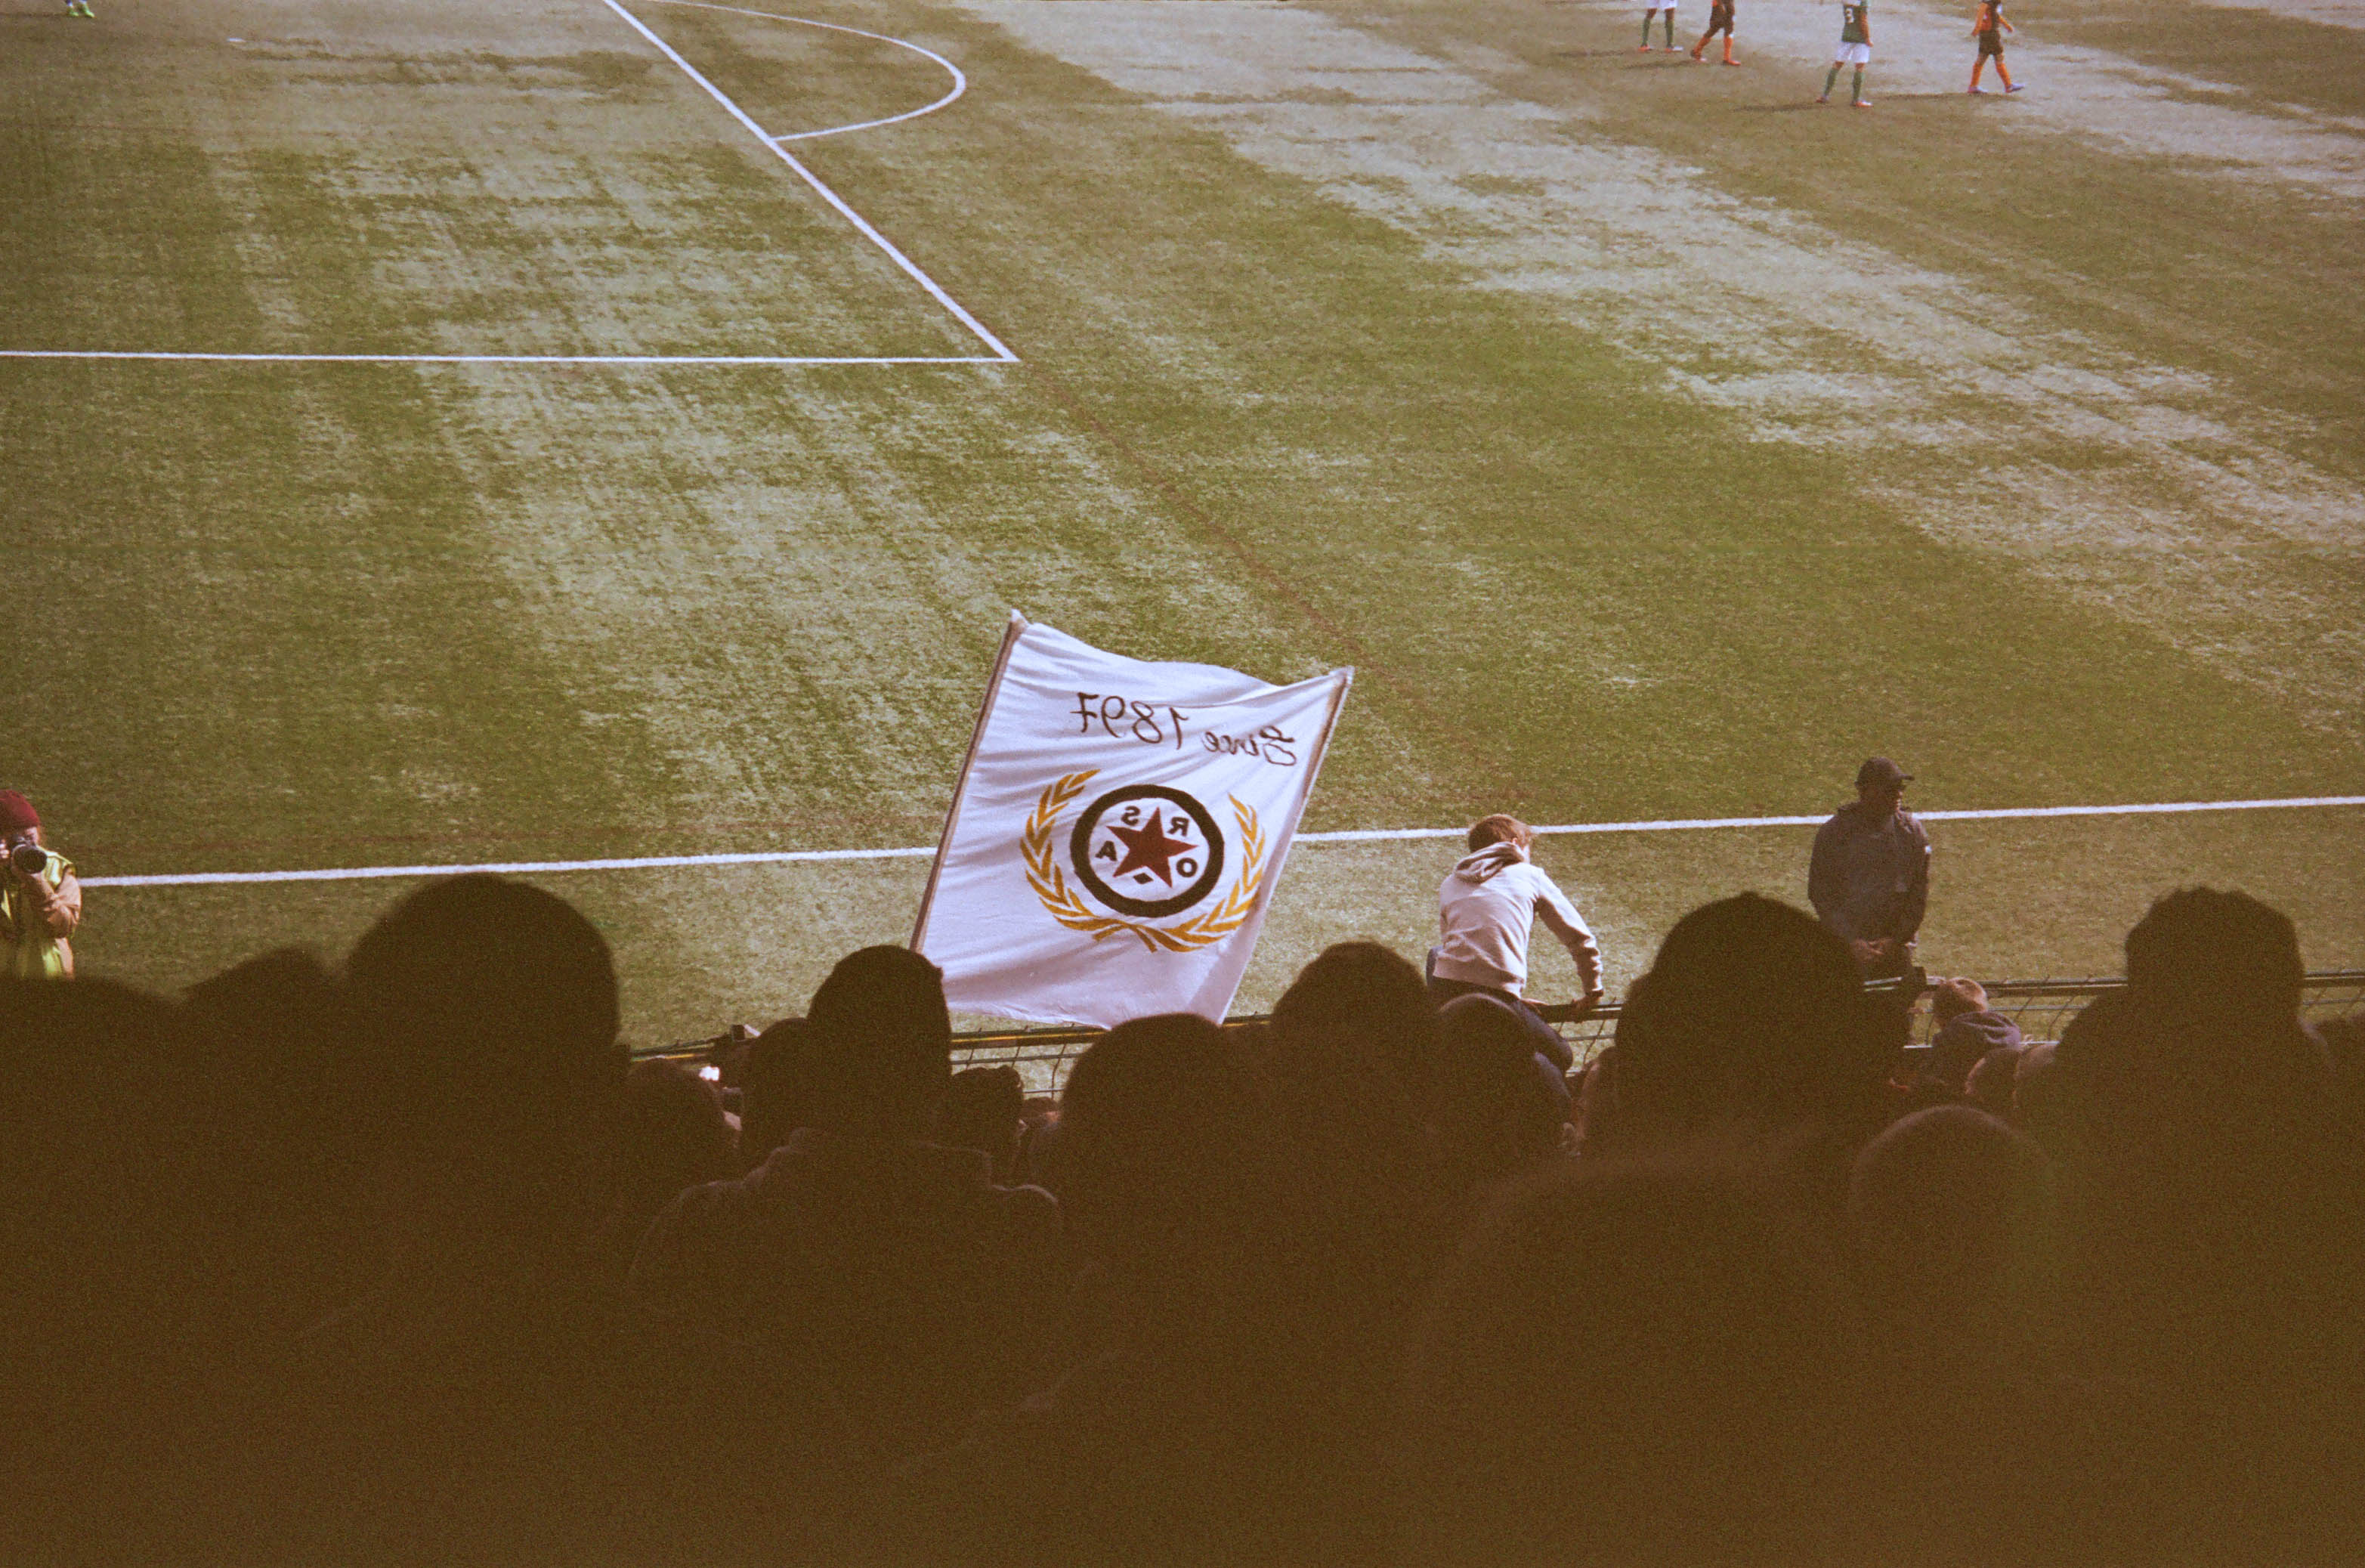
(1010, 635)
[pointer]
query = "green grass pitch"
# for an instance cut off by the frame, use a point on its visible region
(1656, 443)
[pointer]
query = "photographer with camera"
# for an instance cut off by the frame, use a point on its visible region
(40, 903)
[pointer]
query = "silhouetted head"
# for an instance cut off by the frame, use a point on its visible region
(2214, 1174)
(276, 1120)
(284, 990)
(1992, 1080)
(1954, 1223)
(1753, 1011)
(263, 1038)
(2201, 954)
(1499, 1106)
(488, 1008)
(1356, 1010)
(672, 1135)
(879, 1043)
(774, 1089)
(982, 1111)
(1160, 1163)
(1039, 1122)
(1627, 1362)
(2204, 1043)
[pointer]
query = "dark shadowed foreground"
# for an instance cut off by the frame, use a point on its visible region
(400, 1263)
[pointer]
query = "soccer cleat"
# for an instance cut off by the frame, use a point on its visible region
(1976, 92)
(1822, 97)
(1862, 103)
(2015, 87)
(1732, 62)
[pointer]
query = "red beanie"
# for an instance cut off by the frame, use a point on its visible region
(16, 813)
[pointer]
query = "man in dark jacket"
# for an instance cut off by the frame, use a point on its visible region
(1869, 879)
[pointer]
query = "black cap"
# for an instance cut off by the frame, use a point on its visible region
(1880, 771)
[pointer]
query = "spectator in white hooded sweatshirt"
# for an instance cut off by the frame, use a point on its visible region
(1485, 910)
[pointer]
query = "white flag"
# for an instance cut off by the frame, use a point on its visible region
(1118, 830)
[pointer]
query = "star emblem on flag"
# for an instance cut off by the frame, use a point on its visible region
(1148, 848)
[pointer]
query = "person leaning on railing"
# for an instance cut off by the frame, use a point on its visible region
(1487, 908)
(40, 902)
(1967, 1030)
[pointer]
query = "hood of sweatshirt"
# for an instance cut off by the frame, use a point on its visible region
(1957, 1049)
(1990, 1028)
(1478, 866)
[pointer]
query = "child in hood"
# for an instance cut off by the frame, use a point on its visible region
(1967, 1030)
(1486, 910)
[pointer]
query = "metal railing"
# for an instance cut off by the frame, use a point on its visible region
(2040, 1007)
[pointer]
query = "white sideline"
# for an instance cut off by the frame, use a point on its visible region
(509, 358)
(786, 856)
(1001, 355)
(861, 225)
(1682, 824)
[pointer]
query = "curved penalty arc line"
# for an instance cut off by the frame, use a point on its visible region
(960, 82)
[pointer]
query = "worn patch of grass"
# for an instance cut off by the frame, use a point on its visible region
(292, 616)
(2278, 57)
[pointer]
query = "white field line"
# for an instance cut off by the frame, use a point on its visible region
(960, 82)
(1363, 835)
(861, 224)
(1687, 824)
(1001, 355)
(512, 358)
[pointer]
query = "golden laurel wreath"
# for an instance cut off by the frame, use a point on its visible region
(1050, 883)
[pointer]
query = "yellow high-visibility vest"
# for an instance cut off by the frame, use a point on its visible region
(31, 952)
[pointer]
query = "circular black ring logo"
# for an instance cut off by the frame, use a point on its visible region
(1147, 851)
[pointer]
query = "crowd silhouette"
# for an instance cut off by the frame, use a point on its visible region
(407, 1261)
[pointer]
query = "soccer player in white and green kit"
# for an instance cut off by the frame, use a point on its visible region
(1855, 49)
(1665, 9)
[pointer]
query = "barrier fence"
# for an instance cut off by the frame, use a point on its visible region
(2040, 1008)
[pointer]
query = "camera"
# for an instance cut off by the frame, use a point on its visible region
(27, 859)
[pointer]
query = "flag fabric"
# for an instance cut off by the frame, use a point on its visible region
(1117, 832)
